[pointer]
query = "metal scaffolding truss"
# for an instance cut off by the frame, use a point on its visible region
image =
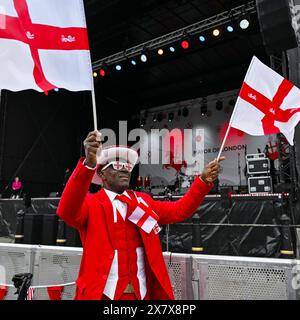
(164, 40)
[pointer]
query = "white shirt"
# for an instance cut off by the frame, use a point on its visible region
(112, 280)
(117, 204)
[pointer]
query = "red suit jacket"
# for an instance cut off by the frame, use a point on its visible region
(92, 216)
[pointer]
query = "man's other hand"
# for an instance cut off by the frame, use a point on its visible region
(211, 171)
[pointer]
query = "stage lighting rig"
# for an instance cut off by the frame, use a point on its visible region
(244, 22)
(144, 55)
(103, 70)
(216, 32)
(204, 107)
(198, 29)
(230, 28)
(171, 116)
(143, 122)
(160, 52)
(202, 38)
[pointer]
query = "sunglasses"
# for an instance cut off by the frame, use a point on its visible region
(118, 165)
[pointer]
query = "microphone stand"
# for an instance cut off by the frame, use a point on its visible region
(239, 171)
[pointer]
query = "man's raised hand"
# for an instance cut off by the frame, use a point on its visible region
(91, 144)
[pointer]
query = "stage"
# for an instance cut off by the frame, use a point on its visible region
(242, 240)
(244, 225)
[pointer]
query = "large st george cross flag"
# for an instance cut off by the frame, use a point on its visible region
(44, 45)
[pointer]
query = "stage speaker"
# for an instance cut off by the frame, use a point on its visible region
(33, 228)
(50, 222)
(72, 237)
(278, 25)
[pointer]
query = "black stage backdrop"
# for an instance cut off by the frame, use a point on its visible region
(41, 136)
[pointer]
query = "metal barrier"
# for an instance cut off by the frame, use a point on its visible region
(193, 277)
(242, 278)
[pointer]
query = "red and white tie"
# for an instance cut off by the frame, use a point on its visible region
(140, 213)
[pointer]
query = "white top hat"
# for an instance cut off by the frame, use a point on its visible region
(114, 153)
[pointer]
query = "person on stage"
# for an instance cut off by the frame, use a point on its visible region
(16, 188)
(122, 256)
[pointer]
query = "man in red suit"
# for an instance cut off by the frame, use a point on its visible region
(122, 255)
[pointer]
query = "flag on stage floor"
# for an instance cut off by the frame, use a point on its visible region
(55, 292)
(267, 103)
(30, 293)
(3, 291)
(44, 45)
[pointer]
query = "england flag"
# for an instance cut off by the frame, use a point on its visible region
(267, 103)
(44, 45)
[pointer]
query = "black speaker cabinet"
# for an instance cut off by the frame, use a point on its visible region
(277, 25)
(33, 228)
(50, 222)
(260, 184)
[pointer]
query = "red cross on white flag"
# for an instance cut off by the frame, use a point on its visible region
(44, 45)
(267, 103)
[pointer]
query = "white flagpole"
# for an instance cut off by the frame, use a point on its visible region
(81, 5)
(228, 129)
(233, 113)
(94, 107)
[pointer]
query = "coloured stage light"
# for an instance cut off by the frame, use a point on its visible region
(160, 52)
(204, 107)
(144, 58)
(118, 67)
(172, 49)
(95, 74)
(102, 72)
(230, 28)
(202, 38)
(133, 62)
(143, 122)
(216, 32)
(244, 23)
(185, 44)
